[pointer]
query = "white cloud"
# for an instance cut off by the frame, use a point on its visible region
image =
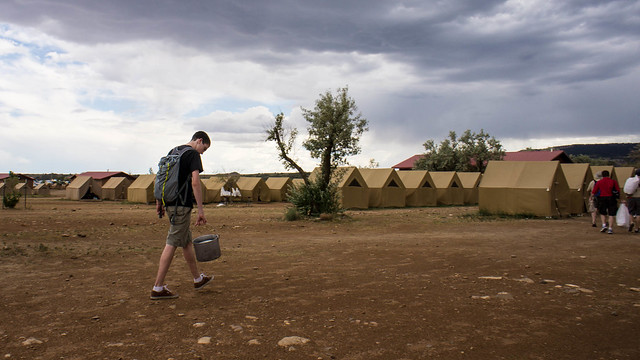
(99, 93)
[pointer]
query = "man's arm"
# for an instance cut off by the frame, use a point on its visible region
(159, 208)
(197, 193)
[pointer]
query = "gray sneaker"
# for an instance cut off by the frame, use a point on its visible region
(604, 228)
(610, 231)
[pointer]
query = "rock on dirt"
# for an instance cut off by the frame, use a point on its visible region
(292, 340)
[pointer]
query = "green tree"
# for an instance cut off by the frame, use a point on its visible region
(443, 157)
(285, 139)
(470, 152)
(477, 149)
(334, 127)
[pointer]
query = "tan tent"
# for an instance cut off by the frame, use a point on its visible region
(419, 188)
(23, 188)
(212, 187)
(524, 187)
(448, 187)
(41, 189)
(354, 192)
(115, 188)
(279, 187)
(621, 174)
(578, 178)
(470, 182)
(78, 188)
(297, 182)
(385, 188)
(141, 190)
(253, 189)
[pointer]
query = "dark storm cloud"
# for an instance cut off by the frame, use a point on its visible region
(536, 60)
(431, 35)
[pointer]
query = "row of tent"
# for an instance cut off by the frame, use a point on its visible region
(359, 188)
(541, 188)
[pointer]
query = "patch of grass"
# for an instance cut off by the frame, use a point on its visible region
(292, 214)
(12, 250)
(483, 215)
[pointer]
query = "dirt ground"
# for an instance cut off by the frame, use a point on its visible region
(418, 283)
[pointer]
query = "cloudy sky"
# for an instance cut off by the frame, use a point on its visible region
(113, 85)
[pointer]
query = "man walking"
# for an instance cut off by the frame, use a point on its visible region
(632, 190)
(179, 213)
(607, 202)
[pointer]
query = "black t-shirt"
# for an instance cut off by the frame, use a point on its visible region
(189, 162)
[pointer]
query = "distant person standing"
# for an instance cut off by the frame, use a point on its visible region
(632, 189)
(593, 208)
(607, 202)
(179, 213)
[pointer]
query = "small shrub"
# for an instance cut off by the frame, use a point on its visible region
(11, 199)
(311, 200)
(292, 214)
(11, 196)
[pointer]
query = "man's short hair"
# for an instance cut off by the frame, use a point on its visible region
(605, 173)
(201, 135)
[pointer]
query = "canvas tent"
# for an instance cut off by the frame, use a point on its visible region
(212, 187)
(141, 190)
(100, 178)
(23, 188)
(78, 188)
(385, 188)
(621, 174)
(297, 182)
(278, 187)
(448, 187)
(470, 182)
(41, 189)
(253, 189)
(578, 178)
(419, 188)
(524, 187)
(115, 188)
(353, 189)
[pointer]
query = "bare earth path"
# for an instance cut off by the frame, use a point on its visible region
(420, 283)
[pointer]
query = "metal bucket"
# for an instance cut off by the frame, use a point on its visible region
(207, 247)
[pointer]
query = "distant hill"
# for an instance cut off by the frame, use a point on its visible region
(616, 152)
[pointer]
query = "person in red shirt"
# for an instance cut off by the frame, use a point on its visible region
(607, 201)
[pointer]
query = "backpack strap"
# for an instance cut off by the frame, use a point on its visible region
(183, 191)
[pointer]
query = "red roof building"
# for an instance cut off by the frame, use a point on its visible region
(21, 178)
(408, 164)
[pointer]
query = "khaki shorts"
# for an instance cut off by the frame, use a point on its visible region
(180, 230)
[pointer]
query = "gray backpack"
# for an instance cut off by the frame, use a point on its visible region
(166, 186)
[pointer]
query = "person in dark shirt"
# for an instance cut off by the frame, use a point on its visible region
(179, 212)
(607, 202)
